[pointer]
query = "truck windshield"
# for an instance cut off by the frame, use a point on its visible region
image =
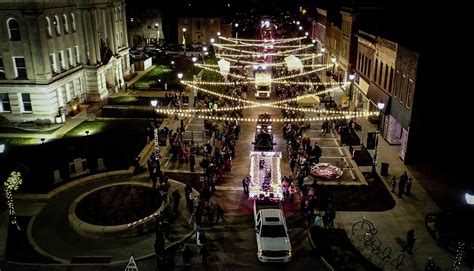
(273, 231)
(263, 88)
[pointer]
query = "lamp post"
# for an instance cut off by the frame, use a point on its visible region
(351, 78)
(333, 60)
(194, 59)
(157, 25)
(213, 40)
(154, 103)
(469, 196)
(236, 32)
(380, 106)
(184, 40)
(180, 76)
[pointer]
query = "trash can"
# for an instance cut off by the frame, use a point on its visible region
(384, 169)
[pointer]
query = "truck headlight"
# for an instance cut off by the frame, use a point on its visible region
(289, 252)
(260, 252)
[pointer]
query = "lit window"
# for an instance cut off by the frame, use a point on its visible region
(76, 50)
(62, 60)
(69, 57)
(13, 29)
(49, 32)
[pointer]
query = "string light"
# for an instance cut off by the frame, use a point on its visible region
(459, 255)
(259, 55)
(283, 63)
(256, 63)
(257, 45)
(12, 184)
(308, 83)
(268, 54)
(257, 40)
(329, 118)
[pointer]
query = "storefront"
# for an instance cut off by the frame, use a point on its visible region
(358, 94)
(377, 95)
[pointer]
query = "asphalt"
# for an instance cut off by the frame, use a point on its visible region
(232, 244)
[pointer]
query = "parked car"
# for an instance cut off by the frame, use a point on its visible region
(137, 55)
(139, 47)
(149, 47)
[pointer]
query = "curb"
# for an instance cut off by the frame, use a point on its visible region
(321, 258)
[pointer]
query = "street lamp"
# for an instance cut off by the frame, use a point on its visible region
(157, 33)
(351, 78)
(236, 32)
(469, 196)
(154, 103)
(180, 75)
(184, 40)
(213, 40)
(2, 148)
(333, 60)
(194, 59)
(300, 27)
(380, 106)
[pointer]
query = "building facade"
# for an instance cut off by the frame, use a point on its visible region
(145, 26)
(201, 30)
(54, 55)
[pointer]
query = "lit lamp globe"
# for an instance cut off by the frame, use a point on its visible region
(154, 103)
(180, 76)
(213, 40)
(351, 77)
(218, 33)
(314, 41)
(300, 27)
(380, 105)
(323, 50)
(204, 49)
(469, 198)
(333, 59)
(2, 148)
(306, 34)
(194, 59)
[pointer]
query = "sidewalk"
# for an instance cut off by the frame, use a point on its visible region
(409, 213)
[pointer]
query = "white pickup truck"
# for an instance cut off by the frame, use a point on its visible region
(273, 242)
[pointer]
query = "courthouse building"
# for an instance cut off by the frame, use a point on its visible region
(55, 55)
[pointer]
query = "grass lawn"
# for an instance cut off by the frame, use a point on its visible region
(15, 141)
(14, 130)
(118, 142)
(159, 72)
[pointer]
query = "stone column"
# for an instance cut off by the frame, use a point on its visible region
(95, 27)
(110, 19)
(89, 34)
(124, 27)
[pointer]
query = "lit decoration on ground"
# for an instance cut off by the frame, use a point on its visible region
(12, 184)
(326, 171)
(157, 147)
(459, 255)
(265, 180)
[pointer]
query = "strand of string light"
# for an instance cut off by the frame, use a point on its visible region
(256, 64)
(253, 53)
(271, 46)
(258, 55)
(274, 79)
(259, 41)
(326, 118)
(283, 63)
(253, 102)
(307, 83)
(242, 107)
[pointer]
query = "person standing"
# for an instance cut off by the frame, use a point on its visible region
(192, 162)
(408, 187)
(220, 213)
(245, 186)
(401, 186)
(176, 198)
(410, 241)
(394, 183)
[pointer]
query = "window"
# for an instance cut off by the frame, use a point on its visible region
(359, 57)
(66, 27)
(385, 81)
(198, 25)
(73, 22)
(409, 98)
(52, 61)
(25, 102)
(376, 68)
(13, 29)
(69, 57)
(390, 81)
(62, 60)
(2, 69)
(395, 84)
(402, 89)
(365, 65)
(121, 39)
(5, 103)
(148, 26)
(49, 32)
(76, 50)
(380, 73)
(20, 67)
(370, 67)
(60, 96)
(120, 13)
(56, 25)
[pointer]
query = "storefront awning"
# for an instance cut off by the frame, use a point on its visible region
(376, 94)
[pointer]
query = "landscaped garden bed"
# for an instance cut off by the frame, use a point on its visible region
(338, 251)
(133, 100)
(373, 197)
(118, 205)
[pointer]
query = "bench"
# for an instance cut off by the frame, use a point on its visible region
(91, 259)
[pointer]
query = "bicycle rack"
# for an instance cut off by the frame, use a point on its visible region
(386, 253)
(399, 261)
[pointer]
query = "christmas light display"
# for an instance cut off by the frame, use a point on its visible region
(12, 184)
